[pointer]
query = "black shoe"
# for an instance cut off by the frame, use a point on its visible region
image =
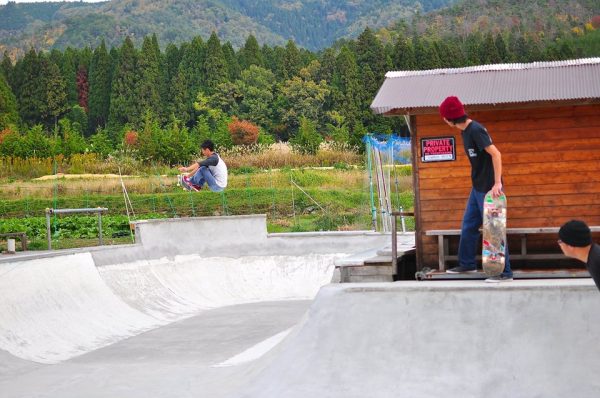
(461, 270)
(499, 279)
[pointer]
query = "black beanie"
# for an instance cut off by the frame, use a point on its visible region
(575, 233)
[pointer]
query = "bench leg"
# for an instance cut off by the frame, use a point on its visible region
(524, 244)
(441, 253)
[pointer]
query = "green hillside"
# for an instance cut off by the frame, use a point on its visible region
(544, 18)
(313, 24)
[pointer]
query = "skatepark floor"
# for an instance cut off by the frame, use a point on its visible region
(188, 358)
(160, 320)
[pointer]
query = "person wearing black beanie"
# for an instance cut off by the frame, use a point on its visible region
(575, 240)
(486, 175)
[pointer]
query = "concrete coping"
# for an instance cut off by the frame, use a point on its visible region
(466, 285)
(180, 219)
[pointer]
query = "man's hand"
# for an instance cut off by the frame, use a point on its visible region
(497, 190)
(183, 169)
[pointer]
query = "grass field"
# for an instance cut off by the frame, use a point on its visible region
(294, 199)
(326, 191)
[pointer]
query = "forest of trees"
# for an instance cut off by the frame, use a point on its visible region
(160, 104)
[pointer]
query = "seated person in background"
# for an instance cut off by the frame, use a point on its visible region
(212, 171)
(575, 240)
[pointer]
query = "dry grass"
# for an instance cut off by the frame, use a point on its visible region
(76, 185)
(273, 156)
(280, 155)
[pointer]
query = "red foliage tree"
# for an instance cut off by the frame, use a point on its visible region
(4, 133)
(83, 88)
(596, 21)
(243, 132)
(131, 138)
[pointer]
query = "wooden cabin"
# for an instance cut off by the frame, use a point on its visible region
(544, 117)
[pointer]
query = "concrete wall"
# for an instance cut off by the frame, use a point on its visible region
(233, 236)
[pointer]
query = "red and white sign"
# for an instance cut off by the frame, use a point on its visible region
(438, 149)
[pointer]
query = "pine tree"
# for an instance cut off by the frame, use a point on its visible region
(346, 82)
(268, 56)
(189, 80)
(279, 63)
(150, 82)
(56, 92)
(100, 77)
(8, 105)
(233, 66)
(172, 59)
(215, 67)
(370, 51)
(123, 97)
(501, 48)
(432, 57)
(488, 53)
(404, 54)
(327, 69)
(68, 64)
(420, 53)
(450, 54)
(535, 52)
(31, 88)
(472, 46)
(6, 68)
(250, 54)
(292, 62)
(521, 49)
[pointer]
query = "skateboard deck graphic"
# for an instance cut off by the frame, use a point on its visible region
(494, 234)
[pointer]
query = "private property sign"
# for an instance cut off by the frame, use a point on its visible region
(438, 149)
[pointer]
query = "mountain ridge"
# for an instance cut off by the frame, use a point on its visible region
(312, 24)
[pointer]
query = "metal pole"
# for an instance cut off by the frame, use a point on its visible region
(100, 227)
(370, 168)
(394, 247)
(402, 220)
(48, 233)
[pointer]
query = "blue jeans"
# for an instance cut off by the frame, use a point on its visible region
(470, 235)
(202, 176)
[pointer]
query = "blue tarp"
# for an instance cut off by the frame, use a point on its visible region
(399, 146)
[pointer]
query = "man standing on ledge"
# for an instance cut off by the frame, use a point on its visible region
(212, 171)
(486, 175)
(575, 240)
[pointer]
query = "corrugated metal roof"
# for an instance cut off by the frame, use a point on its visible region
(490, 85)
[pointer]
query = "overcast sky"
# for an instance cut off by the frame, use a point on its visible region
(39, 1)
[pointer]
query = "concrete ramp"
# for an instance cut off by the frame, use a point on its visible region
(53, 309)
(56, 308)
(169, 289)
(432, 339)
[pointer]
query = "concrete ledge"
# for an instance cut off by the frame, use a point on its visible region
(381, 340)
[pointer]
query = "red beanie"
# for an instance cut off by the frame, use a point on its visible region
(452, 108)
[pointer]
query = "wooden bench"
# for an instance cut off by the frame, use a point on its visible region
(444, 255)
(21, 235)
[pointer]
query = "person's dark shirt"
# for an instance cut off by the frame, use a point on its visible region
(212, 160)
(593, 263)
(476, 139)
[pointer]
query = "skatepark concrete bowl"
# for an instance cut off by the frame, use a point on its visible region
(216, 307)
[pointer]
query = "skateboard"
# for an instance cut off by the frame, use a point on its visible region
(494, 234)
